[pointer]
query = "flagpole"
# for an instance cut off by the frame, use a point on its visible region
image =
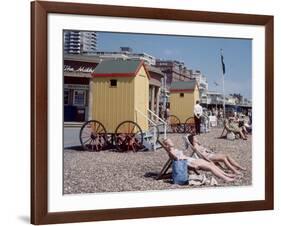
(223, 95)
(223, 73)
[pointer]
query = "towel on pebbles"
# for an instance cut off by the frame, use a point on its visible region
(197, 180)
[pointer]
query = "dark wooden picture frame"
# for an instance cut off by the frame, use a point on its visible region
(39, 109)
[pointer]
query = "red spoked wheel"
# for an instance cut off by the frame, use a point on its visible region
(128, 137)
(174, 124)
(93, 136)
(189, 125)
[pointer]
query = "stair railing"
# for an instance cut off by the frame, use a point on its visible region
(153, 123)
(161, 120)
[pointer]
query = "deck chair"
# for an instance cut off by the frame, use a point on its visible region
(163, 173)
(196, 153)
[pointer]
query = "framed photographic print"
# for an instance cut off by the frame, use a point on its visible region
(147, 112)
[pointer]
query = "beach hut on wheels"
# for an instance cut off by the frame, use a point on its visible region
(183, 97)
(120, 87)
(119, 97)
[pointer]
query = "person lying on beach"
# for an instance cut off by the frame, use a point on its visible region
(199, 164)
(229, 162)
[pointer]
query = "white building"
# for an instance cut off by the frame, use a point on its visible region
(125, 53)
(212, 97)
(79, 42)
(231, 100)
(202, 83)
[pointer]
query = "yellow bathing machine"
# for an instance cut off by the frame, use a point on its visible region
(119, 95)
(183, 97)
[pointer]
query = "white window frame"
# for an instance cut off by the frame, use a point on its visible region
(85, 96)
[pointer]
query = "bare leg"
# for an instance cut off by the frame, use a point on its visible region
(217, 172)
(223, 158)
(234, 163)
(242, 135)
(245, 130)
(228, 174)
(204, 165)
(228, 164)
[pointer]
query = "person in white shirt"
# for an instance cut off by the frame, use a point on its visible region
(198, 111)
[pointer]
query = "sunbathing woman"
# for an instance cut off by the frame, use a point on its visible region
(215, 157)
(200, 164)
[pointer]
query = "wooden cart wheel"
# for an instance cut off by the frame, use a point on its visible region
(128, 137)
(189, 125)
(93, 136)
(174, 124)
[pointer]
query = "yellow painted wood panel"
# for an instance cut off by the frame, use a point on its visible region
(141, 98)
(113, 105)
(182, 107)
(196, 95)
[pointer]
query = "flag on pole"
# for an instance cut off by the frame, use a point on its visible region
(222, 63)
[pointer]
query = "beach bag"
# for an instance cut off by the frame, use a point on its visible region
(230, 136)
(179, 172)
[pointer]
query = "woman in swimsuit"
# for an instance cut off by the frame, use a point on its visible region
(215, 157)
(199, 164)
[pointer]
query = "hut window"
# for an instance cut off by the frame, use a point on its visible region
(181, 94)
(113, 83)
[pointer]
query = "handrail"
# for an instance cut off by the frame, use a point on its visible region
(145, 117)
(157, 116)
(154, 129)
(165, 123)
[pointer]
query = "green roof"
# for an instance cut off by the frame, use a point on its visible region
(183, 85)
(117, 67)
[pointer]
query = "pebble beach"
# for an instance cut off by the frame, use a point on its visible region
(111, 171)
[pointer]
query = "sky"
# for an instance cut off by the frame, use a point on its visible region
(198, 53)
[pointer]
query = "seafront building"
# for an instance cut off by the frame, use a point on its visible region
(174, 71)
(79, 42)
(201, 81)
(125, 53)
